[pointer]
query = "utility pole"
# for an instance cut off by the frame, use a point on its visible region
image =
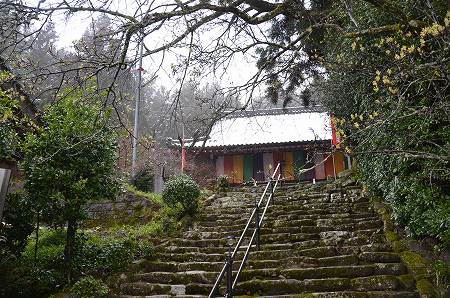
(136, 109)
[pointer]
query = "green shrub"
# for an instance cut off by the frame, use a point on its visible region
(22, 277)
(146, 250)
(442, 270)
(423, 208)
(22, 280)
(143, 180)
(19, 218)
(182, 193)
(222, 182)
(89, 287)
(103, 256)
(50, 249)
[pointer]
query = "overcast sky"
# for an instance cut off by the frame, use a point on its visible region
(240, 70)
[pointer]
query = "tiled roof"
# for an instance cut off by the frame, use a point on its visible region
(267, 129)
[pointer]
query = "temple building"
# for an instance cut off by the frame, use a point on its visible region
(247, 146)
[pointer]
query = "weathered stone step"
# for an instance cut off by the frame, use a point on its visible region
(366, 256)
(143, 288)
(314, 212)
(216, 233)
(348, 294)
(268, 235)
(274, 287)
(289, 262)
(286, 204)
(271, 222)
(316, 252)
(286, 286)
(159, 296)
(330, 207)
(296, 214)
(325, 198)
(208, 277)
(328, 239)
(320, 240)
(353, 294)
(297, 239)
(238, 200)
(324, 272)
(222, 249)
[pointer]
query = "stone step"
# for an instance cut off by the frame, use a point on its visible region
(286, 286)
(341, 239)
(340, 294)
(209, 277)
(330, 207)
(316, 252)
(248, 200)
(294, 214)
(328, 239)
(216, 233)
(289, 262)
(268, 222)
(271, 222)
(274, 287)
(283, 203)
(352, 294)
(322, 240)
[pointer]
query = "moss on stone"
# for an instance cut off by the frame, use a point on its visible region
(415, 262)
(375, 283)
(426, 289)
(399, 246)
(407, 281)
(392, 236)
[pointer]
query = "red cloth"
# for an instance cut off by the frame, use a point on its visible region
(334, 138)
(183, 156)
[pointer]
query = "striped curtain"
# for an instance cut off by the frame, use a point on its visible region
(268, 164)
(320, 166)
(219, 166)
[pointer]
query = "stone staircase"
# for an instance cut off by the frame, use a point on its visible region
(322, 240)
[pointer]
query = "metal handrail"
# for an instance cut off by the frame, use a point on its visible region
(227, 267)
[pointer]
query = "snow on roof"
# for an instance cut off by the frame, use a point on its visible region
(272, 128)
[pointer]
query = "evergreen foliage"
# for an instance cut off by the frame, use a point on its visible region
(143, 180)
(383, 72)
(182, 192)
(89, 287)
(70, 162)
(18, 217)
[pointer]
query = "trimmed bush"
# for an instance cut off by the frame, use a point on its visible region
(89, 287)
(182, 193)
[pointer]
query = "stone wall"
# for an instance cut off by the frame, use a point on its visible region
(126, 208)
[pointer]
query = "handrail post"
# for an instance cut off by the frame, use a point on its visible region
(227, 268)
(272, 182)
(229, 274)
(257, 224)
(281, 172)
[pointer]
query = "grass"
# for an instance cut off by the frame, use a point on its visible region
(152, 197)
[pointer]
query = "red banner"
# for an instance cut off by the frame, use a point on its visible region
(334, 138)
